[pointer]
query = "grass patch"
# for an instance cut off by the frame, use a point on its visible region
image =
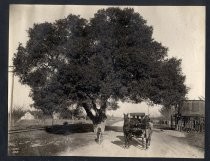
(41, 143)
(196, 139)
(17, 113)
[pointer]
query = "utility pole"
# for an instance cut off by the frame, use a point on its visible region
(12, 90)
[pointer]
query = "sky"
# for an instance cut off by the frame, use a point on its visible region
(180, 28)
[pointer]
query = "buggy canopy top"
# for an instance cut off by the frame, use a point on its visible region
(137, 114)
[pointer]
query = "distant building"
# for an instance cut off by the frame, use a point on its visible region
(191, 115)
(162, 122)
(193, 108)
(27, 116)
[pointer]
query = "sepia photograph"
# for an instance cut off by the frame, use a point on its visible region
(106, 81)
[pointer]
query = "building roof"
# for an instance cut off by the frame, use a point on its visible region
(193, 115)
(194, 100)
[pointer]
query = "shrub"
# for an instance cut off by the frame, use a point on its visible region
(38, 114)
(17, 113)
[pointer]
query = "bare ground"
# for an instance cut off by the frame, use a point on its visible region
(165, 143)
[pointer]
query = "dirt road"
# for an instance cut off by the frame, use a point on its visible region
(165, 143)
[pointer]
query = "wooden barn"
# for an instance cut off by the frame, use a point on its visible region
(191, 116)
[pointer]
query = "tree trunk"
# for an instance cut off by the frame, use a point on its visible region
(99, 119)
(52, 120)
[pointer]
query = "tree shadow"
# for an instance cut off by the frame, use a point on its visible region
(69, 128)
(133, 142)
(120, 142)
(66, 129)
(163, 127)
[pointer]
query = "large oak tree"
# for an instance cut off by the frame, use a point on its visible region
(95, 63)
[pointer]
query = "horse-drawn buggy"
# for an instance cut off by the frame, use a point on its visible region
(137, 125)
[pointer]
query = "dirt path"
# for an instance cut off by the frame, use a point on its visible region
(164, 144)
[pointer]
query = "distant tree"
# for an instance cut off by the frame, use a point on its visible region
(94, 64)
(71, 113)
(66, 114)
(167, 112)
(17, 113)
(38, 114)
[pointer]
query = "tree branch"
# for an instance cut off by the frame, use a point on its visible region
(88, 111)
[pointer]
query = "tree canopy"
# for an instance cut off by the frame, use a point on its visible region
(95, 63)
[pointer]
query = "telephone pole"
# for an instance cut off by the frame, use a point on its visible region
(11, 101)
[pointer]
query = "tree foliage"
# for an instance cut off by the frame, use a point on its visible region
(98, 62)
